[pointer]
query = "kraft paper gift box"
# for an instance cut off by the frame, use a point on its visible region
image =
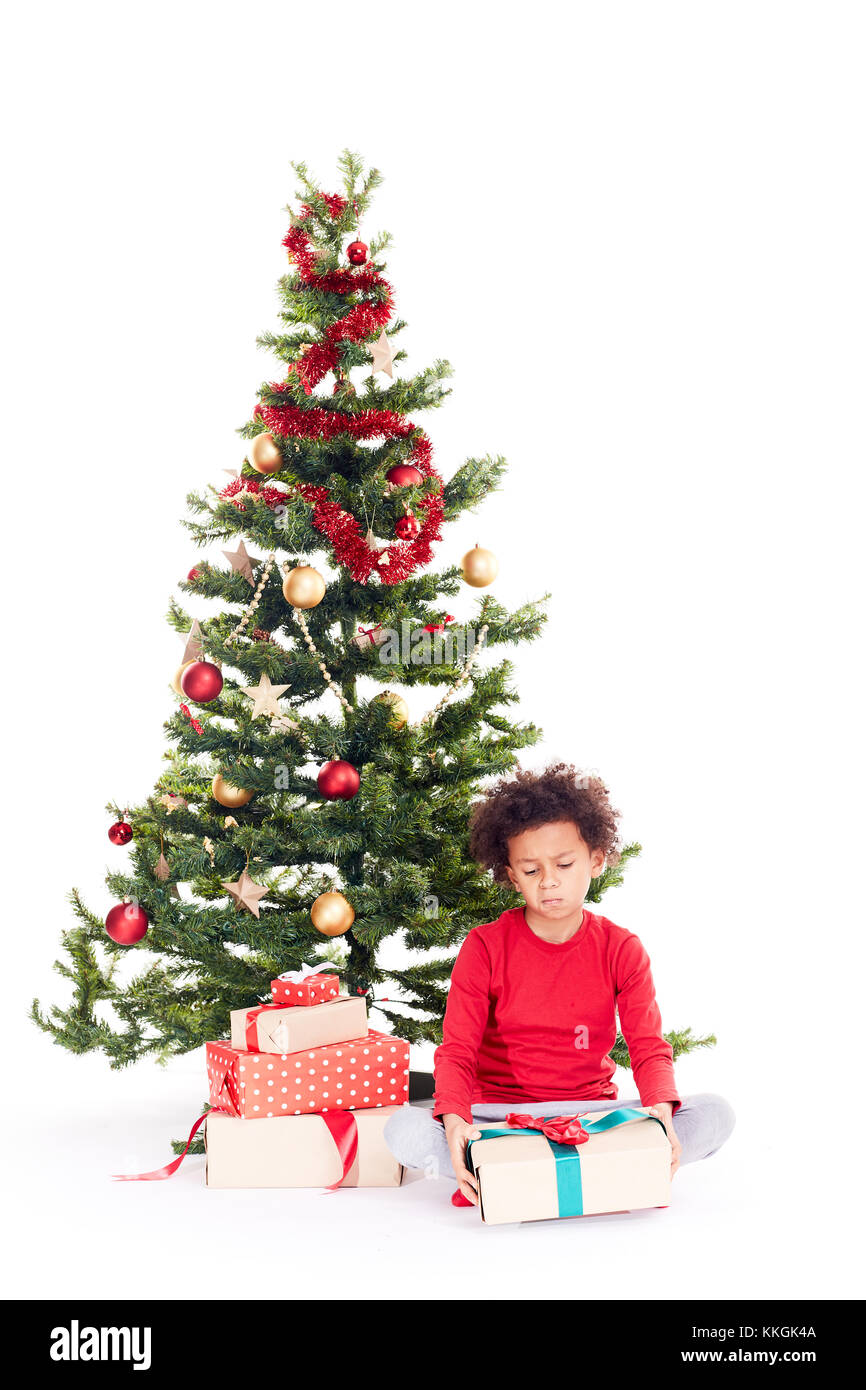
(625, 1164)
(360, 1074)
(269, 1028)
(367, 637)
(297, 1152)
(303, 990)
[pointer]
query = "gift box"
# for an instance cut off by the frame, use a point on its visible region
(367, 637)
(304, 987)
(622, 1163)
(361, 1073)
(299, 1152)
(274, 1028)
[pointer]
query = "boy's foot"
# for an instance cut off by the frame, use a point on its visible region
(458, 1200)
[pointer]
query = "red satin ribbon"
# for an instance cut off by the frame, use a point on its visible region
(169, 1168)
(184, 709)
(344, 1132)
(439, 627)
(222, 1104)
(562, 1129)
(252, 1030)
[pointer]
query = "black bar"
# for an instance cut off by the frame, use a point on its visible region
(194, 1336)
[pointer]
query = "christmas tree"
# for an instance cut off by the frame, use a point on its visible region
(299, 801)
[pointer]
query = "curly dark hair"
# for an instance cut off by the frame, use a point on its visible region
(531, 799)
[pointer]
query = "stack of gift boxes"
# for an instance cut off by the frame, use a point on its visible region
(308, 1061)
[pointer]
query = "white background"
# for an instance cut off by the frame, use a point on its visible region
(637, 233)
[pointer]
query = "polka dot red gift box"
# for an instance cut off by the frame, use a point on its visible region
(313, 989)
(355, 1075)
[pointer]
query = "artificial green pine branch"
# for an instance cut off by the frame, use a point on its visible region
(681, 1041)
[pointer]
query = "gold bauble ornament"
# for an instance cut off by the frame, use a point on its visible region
(175, 684)
(264, 454)
(400, 710)
(303, 587)
(480, 567)
(227, 795)
(332, 914)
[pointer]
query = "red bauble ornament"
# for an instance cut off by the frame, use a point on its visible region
(192, 576)
(407, 527)
(404, 475)
(202, 682)
(339, 781)
(357, 252)
(126, 923)
(120, 833)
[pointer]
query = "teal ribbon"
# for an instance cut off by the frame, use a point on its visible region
(569, 1185)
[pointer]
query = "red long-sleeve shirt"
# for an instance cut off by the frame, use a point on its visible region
(531, 1020)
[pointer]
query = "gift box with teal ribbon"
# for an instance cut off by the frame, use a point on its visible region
(538, 1169)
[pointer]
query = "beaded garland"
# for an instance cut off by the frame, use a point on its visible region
(249, 611)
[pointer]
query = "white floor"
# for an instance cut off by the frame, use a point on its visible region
(766, 1217)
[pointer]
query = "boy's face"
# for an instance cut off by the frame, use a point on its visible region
(552, 866)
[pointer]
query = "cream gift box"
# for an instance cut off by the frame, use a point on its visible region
(269, 1028)
(298, 1151)
(624, 1164)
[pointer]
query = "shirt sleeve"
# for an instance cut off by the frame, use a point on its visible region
(652, 1058)
(455, 1062)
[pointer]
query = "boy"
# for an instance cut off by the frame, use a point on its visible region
(531, 1014)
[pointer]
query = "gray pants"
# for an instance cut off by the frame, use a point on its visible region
(702, 1123)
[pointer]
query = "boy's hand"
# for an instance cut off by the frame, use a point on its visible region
(458, 1133)
(665, 1112)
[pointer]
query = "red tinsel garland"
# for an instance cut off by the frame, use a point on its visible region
(270, 495)
(401, 558)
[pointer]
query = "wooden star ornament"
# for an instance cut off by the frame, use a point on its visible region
(242, 562)
(380, 352)
(264, 696)
(193, 649)
(245, 893)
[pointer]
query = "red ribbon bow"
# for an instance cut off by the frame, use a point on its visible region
(438, 627)
(561, 1129)
(184, 709)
